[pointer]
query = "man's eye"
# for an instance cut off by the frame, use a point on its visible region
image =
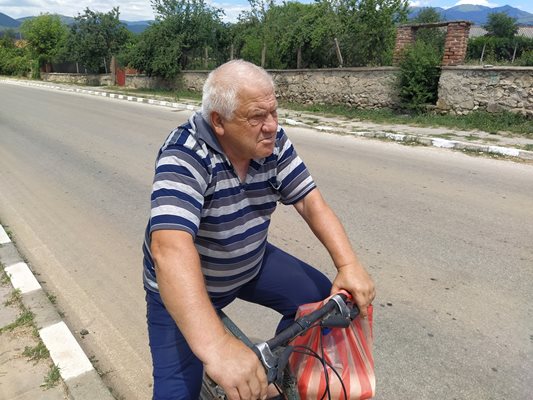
(256, 120)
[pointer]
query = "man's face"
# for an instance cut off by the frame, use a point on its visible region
(251, 133)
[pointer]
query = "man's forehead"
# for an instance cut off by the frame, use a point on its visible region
(259, 103)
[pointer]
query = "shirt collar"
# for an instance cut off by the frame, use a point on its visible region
(205, 132)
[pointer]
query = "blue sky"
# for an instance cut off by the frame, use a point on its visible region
(133, 10)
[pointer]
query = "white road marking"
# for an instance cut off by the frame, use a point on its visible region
(65, 351)
(22, 278)
(4, 238)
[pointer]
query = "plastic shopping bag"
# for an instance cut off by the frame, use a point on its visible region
(347, 350)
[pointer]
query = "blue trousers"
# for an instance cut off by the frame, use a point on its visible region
(283, 284)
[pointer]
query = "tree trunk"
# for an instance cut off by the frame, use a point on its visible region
(338, 51)
(263, 55)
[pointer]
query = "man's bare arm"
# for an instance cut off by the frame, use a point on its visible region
(181, 285)
(328, 229)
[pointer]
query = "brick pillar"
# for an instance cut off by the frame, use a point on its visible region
(405, 35)
(456, 42)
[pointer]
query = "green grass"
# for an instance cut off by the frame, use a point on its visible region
(52, 298)
(37, 352)
(4, 279)
(52, 379)
(492, 123)
(24, 319)
(14, 298)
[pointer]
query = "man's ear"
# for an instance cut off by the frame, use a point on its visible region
(217, 123)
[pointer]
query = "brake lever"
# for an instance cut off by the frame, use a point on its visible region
(343, 315)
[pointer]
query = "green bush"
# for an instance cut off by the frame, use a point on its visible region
(497, 49)
(14, 61)
(526, 59)
(419, 76)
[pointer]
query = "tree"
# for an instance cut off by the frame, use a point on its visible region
(369, 29)
(432, 36)
(501, 25)
(95, 37)
(46, 36)
(14, 60)
(157, 51)
(287, 35)
(198, 25)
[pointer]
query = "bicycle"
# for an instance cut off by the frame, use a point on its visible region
(274, 353)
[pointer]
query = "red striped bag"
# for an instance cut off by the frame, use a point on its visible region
(348, 350)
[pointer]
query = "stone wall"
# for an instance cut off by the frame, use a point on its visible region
(78, 79)
(147, 82)
(462, 89)
(368, 88)
(495, 89)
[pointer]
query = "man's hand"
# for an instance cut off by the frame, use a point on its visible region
(355, 280)
(236, 368)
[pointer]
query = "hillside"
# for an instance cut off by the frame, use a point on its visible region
(477, 14)
(8, 22)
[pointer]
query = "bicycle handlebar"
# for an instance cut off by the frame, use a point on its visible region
(340, 316)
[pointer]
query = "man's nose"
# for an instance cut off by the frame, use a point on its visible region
(271, 123)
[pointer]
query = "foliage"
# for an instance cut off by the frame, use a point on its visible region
(433, 36)
(96, 36)
(197, 25)
(526, 59)
(157, 51)
(368, 30)
(419, 76)
(13, 60)
(498, 49)
(501, 25)
(305, 29)
(45, 36)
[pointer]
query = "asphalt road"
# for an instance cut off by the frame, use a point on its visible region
(447, 237)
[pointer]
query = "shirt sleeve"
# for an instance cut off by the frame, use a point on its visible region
(293, 177)
(178, 190)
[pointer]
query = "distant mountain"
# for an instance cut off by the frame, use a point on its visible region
(477, 14)
(8, 22)
(137, 26)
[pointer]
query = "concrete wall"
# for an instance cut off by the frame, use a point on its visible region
(465, 89)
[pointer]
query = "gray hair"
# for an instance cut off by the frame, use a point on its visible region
(222, 86)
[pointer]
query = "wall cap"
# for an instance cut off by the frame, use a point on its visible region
(346, 69)
(434, 24)
(485, 68)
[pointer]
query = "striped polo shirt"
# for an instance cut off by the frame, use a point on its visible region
(196, 190)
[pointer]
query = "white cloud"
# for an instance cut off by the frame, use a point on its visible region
(485, 3)
(420, 3)
(129, 9)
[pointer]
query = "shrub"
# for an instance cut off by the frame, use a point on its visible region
(497, 49)
(14, 61)
(526, 59)
(419, 76)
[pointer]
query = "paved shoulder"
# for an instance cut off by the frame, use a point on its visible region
(81, 381)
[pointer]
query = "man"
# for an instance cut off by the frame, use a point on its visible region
(217, 181)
